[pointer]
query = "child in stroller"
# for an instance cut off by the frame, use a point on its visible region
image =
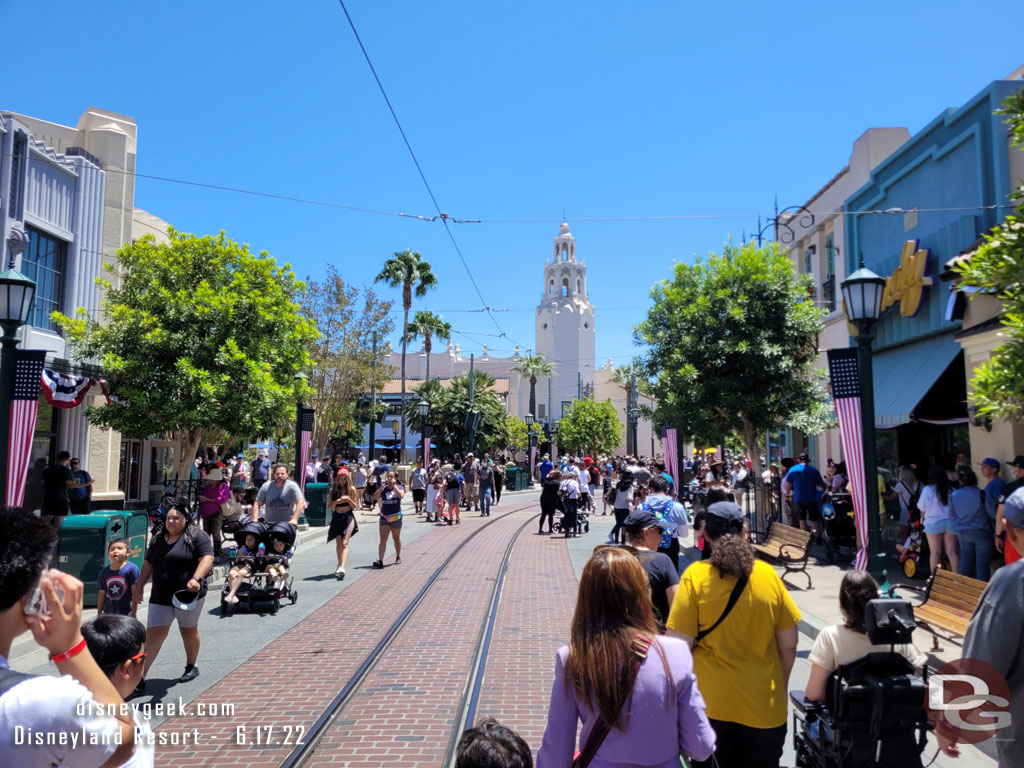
(256, 575)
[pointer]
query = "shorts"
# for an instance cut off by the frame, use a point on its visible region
(395, 526)
(58, 508)
(606, 487)
(164, 615)
(806, 510)
(453, 496)
(939, 526)
(419, 494)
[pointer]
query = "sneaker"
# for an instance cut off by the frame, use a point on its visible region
(611, 539)
(339, 571)
(458, 522)
(398, 561)
(191, 673)
(378, 564)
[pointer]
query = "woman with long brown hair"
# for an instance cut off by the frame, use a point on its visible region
(735, 612)
(342, 504)
(634, 692)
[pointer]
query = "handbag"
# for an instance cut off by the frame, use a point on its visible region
(601, 728)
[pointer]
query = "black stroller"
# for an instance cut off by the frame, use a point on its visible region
(258, 588)
(839, 529)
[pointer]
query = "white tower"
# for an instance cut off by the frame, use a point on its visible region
(565, 327)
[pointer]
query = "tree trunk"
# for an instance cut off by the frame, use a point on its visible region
(190, 440)
(750, 442)
(426, 346)
(533, 396)
(406, 304)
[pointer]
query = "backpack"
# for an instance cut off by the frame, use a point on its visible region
(913, 513)
(594, 475)
(452, 481)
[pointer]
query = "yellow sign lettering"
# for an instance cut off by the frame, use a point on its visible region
(906, 285)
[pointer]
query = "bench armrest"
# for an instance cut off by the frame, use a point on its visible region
(802, 553)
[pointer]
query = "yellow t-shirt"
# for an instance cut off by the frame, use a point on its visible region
(738, 669)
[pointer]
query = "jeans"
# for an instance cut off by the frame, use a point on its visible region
(570, 516)
(742, 746)
(976, 550)
(485, 501)
(620, 518)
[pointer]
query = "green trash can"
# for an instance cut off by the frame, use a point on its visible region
(510, 478)
(524, 479)
(316, 503)
(82, 546)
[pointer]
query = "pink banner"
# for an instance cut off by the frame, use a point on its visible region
(533, 460)
(426, 445)
(672, 455)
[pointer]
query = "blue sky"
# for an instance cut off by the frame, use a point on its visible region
(515, 111)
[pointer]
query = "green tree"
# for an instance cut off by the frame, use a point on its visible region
(200, 334)
(731, 346)
(408, 270)
(518, 435)
(590, 426)
(533, 367)
(997, 270)
(492, 431)
(434, 394)
(342, 359)
(427, 325)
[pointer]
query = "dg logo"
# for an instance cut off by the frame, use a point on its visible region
(968, 701)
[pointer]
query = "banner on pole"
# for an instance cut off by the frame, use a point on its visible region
(845, 375)
(28, 369)
(305, 416)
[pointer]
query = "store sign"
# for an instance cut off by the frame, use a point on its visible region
(906, 285)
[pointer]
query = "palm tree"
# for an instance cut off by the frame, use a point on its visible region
(408, 270)
(427, 325)
(532, 367)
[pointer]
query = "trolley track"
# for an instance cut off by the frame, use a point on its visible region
(305, 753)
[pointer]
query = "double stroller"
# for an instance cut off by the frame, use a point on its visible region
(260, 557)
(840, 530)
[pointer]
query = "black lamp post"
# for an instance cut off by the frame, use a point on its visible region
(16, 295)
(423, 410)
(530, 438)
(862, 293)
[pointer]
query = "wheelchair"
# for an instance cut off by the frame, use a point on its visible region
(873, 714)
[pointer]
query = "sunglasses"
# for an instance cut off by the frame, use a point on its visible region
(139, 657)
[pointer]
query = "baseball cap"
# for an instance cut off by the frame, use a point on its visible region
(1013, 508)
(640, 517)
(240, 456)
(989, 463)
(1017, 462)
(726, 510)
(185, 600)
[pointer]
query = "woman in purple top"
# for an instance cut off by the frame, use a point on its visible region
(655, 711)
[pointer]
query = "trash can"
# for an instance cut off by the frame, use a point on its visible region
(82, 546)
(512, 478)
(316, 503)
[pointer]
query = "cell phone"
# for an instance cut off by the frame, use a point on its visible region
(37, 606)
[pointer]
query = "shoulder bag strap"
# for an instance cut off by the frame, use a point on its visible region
(601, 728)
(734, 596)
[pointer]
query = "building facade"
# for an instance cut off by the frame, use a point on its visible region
(68, 191)
(816, 247)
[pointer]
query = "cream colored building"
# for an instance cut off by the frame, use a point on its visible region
(71, 190)
(816, 249)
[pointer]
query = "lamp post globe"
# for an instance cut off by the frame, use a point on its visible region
(529, 420)
(862, 294)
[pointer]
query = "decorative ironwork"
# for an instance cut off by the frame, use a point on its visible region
(782, 223)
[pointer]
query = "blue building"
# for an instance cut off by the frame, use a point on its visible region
(929, 201)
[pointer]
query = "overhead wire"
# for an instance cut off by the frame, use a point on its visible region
(443, 216)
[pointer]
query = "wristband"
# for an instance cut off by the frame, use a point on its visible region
(77, 649)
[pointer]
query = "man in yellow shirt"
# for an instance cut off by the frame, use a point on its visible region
(742, 661)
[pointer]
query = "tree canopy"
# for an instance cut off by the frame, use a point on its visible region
(200, 334)
(590, 427)
(997, 269)
(533, 367)
(426, 325)
(449, 407)
(732, 344)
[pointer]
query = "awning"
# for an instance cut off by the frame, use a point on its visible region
(904, 375)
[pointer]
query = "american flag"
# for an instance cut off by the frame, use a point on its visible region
(305, 416)
(670, 451)
(426, 445)
(28, 373)
(842, 365)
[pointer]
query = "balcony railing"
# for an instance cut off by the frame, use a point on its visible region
(828, 294)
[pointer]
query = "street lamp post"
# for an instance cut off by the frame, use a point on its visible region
(16, 295)
(423, 409)
(862, 292)
(530, 437)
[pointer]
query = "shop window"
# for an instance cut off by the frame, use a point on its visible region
(129, 479)
(565, 288)
(830, 256)
(44, 262)
(809, 260)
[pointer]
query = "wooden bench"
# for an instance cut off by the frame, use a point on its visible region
(791, 547)
(949, 603)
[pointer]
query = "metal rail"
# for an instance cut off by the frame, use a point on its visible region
(302, 752)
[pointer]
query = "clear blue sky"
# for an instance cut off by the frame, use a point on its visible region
(514, 111)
